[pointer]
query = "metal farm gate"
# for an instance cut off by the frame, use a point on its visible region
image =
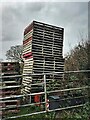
(73, 93)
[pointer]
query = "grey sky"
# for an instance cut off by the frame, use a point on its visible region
(16, 16)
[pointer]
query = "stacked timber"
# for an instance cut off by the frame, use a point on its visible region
(9, 86)
(42, 53)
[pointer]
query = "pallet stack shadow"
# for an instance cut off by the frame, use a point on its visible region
(42, 53)
(9, 86)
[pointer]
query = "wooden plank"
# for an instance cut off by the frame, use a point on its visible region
(29, 33)
(27, 46)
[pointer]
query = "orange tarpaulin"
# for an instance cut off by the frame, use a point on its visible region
(37, 99)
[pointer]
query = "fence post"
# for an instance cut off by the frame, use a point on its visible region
(45, 90)
(88, 77)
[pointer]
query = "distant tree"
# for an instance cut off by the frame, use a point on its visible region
(15, 53)
(78, 58)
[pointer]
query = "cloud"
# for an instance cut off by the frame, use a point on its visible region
(0, 31)
(16, 16)
(89, 20)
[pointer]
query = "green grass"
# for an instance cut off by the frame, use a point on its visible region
(23, 111)
(73, 114)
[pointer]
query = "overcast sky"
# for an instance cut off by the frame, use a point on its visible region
(72, 16)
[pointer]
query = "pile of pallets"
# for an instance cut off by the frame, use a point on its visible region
(9, 86)
(42, 52)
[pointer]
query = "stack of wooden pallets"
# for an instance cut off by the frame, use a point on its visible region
(42, 53)
(9, 86)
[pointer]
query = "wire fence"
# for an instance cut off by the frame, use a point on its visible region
(73, 92)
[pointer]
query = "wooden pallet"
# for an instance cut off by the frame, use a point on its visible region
(46, 46)
(10, 86)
